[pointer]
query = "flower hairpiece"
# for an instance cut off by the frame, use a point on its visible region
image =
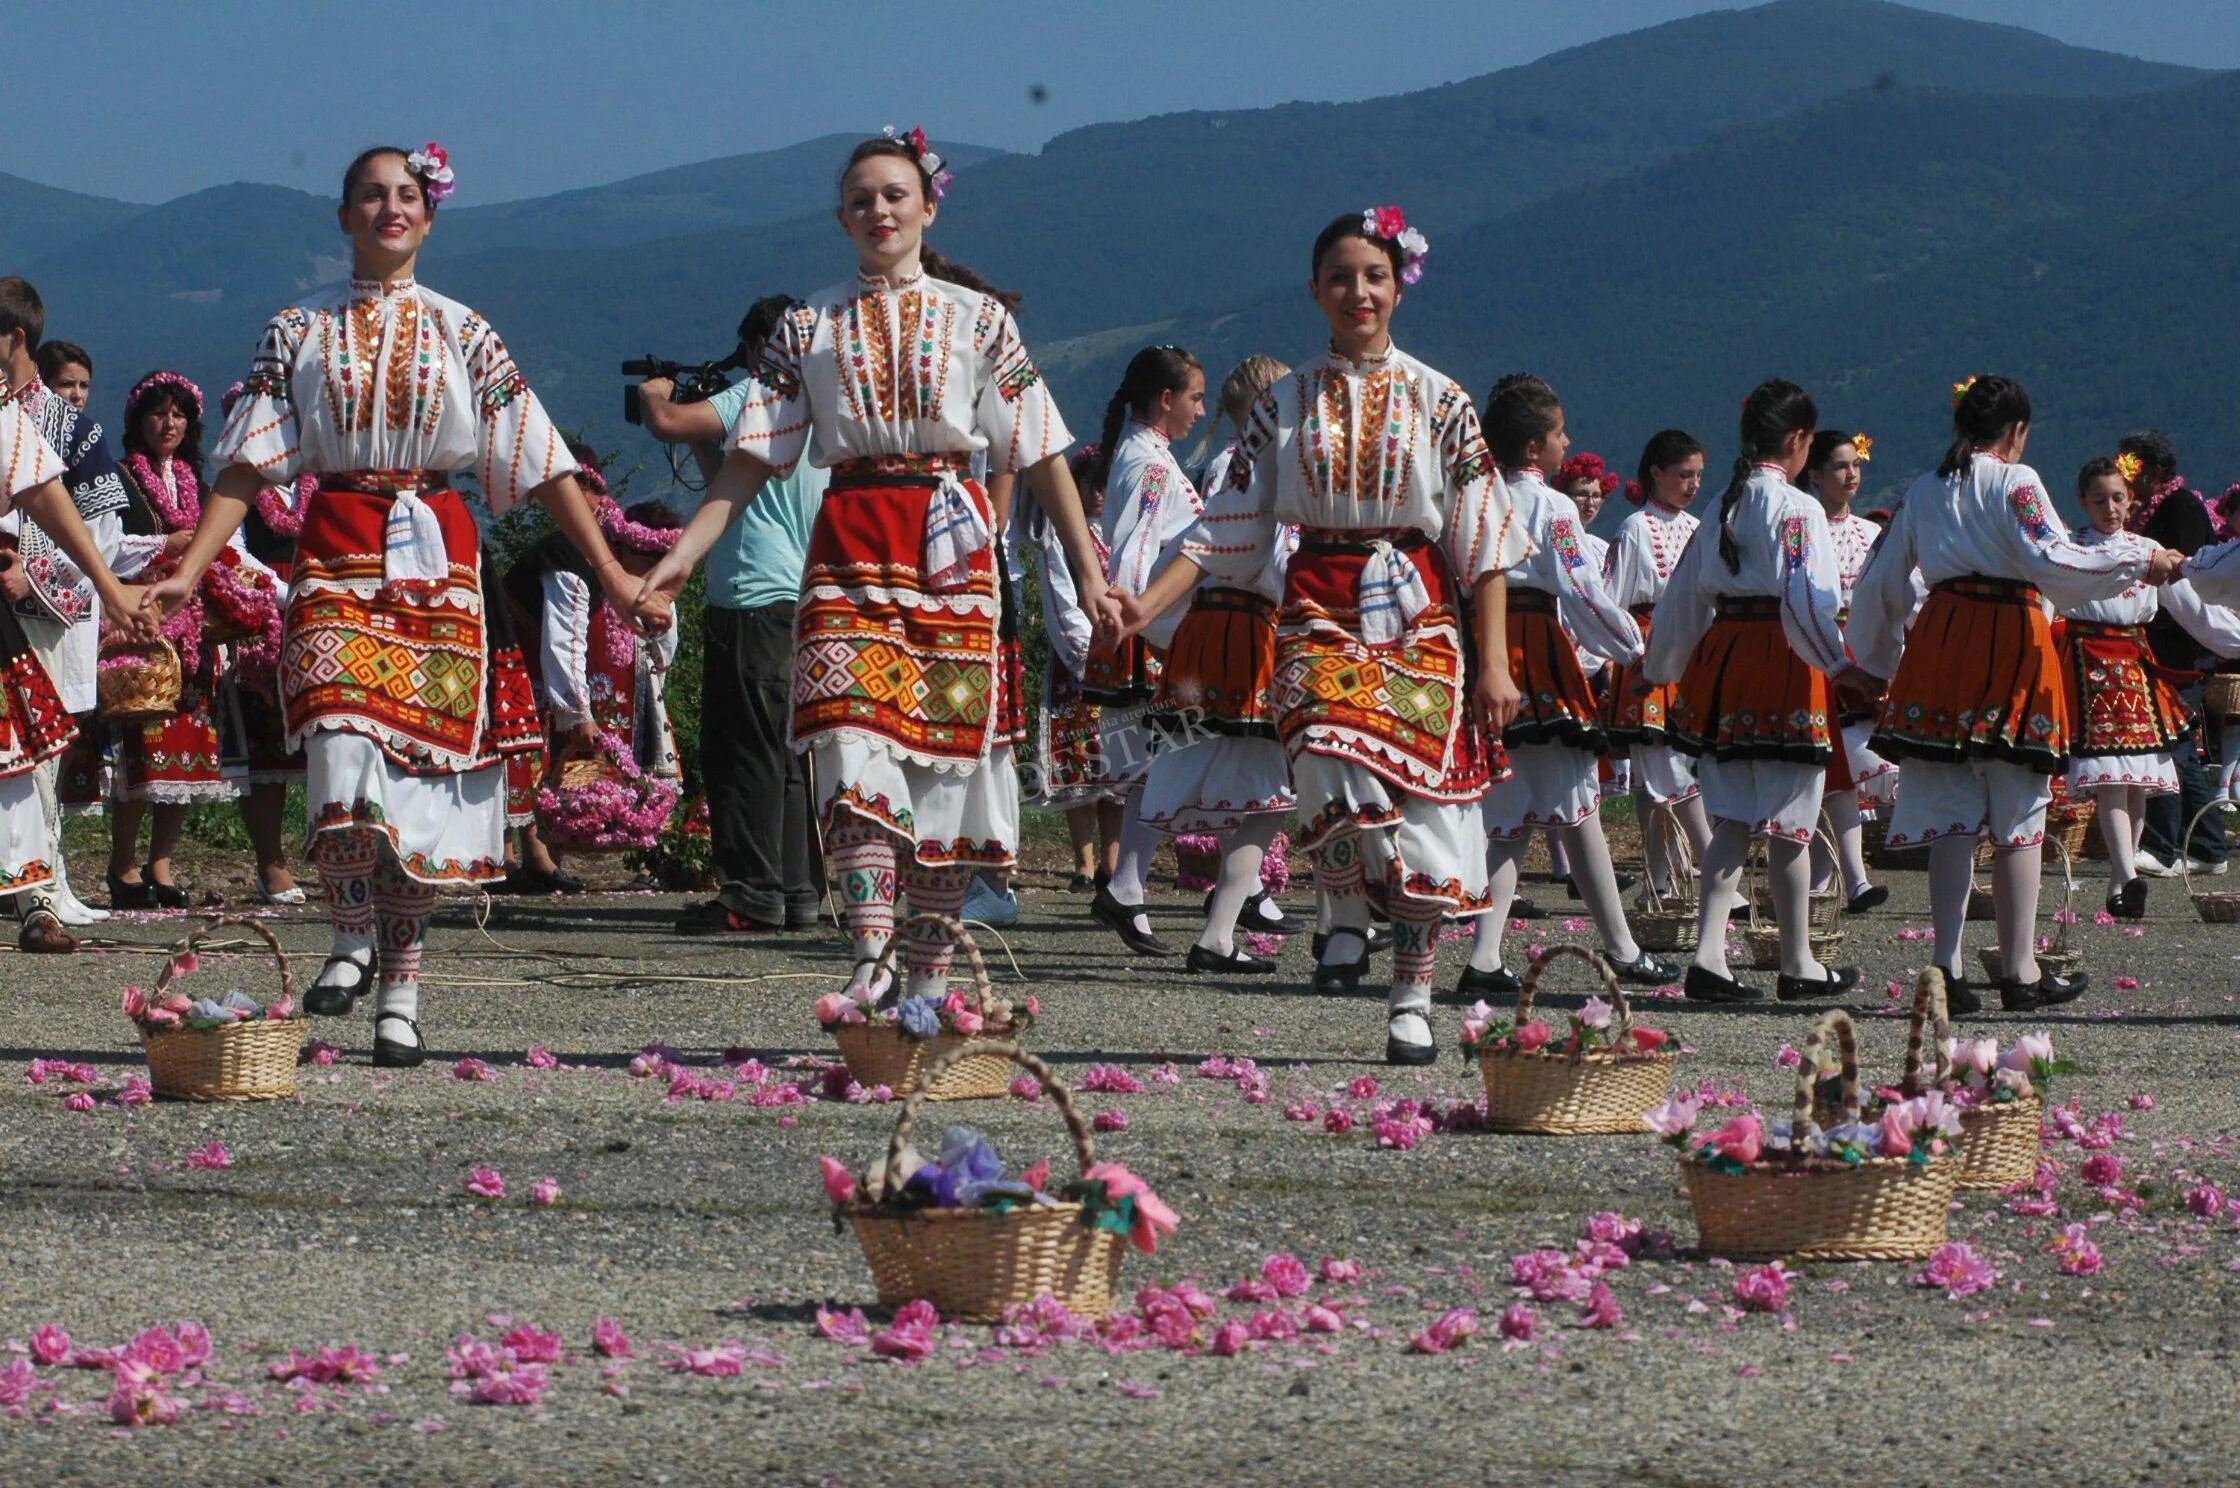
(2129, 465)
(1587, 465)
(1864, 445)
(1391, 224)
(432, 164)
(928, 160)
(636, 536)
(179, 380)
(1960, 389)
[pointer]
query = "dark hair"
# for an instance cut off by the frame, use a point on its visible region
(1520, 409)
(2097, 468)
(939, 266)
(656, 513)
(2158, 460)
(1988, 406)
(148, 398)
(21, 309)
(56, 355)
(1348, 225)
(1824, 448)
(761, 321)
(357, 169)
(1151, 371)
(1666, 448)
(1773, 411)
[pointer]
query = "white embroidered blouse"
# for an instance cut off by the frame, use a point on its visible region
(918, 366)
(1854, 538)
(2213, 625)
(1268, 582)
(1783, 551)
(1991, 519)
(372, 376)
(27, 461)
(1149, 508)
(1562, 563)
(1647, 550)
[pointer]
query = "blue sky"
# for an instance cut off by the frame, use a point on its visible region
(148, 99)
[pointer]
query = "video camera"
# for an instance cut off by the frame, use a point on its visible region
(696, 381)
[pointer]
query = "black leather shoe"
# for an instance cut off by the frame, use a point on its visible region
(334, 1000)
(1120, 919)
(1645, 970)
(1525, 909)
(1708, 986)
(1501, 985)
(1873, 896)
(1397, 1052)
(2130, 901)
(1839, 980)
(2047, 991)
(122, 895)
(1960, 999)
(1081, 883)
(1344, 977)
(1256, 914)
(391, 1054)
(1238, 962)
(1380, 941)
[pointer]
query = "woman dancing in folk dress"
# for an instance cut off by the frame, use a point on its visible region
(383, 389)
(1642, 557)
(1978, 710)
(1747, 628)
(1378, 459)
(899, 694)
(1833, 472)
(1557, 605)
(2124, 713)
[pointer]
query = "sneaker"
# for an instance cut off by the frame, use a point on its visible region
(2154, 867)
(984, 904)
(2199, 869)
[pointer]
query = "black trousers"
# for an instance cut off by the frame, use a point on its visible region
(763, 835)
(2167, 816)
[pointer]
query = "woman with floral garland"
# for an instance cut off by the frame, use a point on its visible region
(1833, 472)
(384, 389)
(906, 372)
(1403, 519)
(1977, 714)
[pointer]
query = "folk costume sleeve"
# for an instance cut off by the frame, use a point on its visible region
(1482, 534)
(1684, 611)
(2215, 626)
(1016, 412)
(1882, 601)
(773, 421)
(263, 431)
(2214, 573)
(566, 648)
(521, 447)
(1234, 539)
(26, 460)
(1594, 619)
(2066, 571)
(1812, 590)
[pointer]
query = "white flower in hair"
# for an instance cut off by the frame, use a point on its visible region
(432, 164)
(1414, 244)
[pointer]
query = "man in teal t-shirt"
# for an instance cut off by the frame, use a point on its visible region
(766, 859)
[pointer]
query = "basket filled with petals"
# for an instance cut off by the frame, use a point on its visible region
(1603, 1075)
(228, 1048)
(604, 803)
(2000, 1092)
(894, 1041)
(956, 1232)
(137, 681)
(1851, 1190)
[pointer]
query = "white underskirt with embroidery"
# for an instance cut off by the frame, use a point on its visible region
(1216, 785)
(23, 833)
(1664, 772)
(1776, 798)
(961, 813)
(447, 830)
(1402, 835)
(1551, 785)
(2153, 772)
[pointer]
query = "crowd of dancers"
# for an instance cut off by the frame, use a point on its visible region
(1376, 615)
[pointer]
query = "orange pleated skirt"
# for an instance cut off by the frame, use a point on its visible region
(1980, 679)
(1558, 704)
(1747, 695)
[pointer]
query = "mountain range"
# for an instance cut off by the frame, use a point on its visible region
(1869, 199)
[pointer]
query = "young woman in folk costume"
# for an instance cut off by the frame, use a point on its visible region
(1378, 459)
(1747, 629)
(1833, 472)
(1641, 560)
(2220, 707)
(35, 726)
(1149, 505)
(899, 684)
(1557, 605)
(384, 389)
(2125, 714)
(1223, 769)
(1978, 710)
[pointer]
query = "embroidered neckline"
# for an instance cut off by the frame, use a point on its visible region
(381, 289)
(884, 281)
(1377, 359)
(1153, 430)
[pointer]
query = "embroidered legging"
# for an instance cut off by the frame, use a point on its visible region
(363, 882)
(865, 855)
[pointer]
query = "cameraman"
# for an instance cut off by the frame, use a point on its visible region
(766, 859)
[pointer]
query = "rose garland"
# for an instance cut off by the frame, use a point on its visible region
(247, 596)
(629, 813)
(2144, 512)
(284, 508)
(175, 492)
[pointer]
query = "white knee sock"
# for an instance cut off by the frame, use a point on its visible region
(1242, 855)
(1598, 888)
(1952, 872)
(1137, 843)
(1502, 858)
(2014, 895)
(1789, 872)
(1722, 870)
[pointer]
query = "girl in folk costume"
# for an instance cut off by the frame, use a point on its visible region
(383, 389)
(905, 374)
(1149, 505)
(1223, 770)
(1379, 461)
(34, 724)
(1557, 605)
(1642, 558)
(1978, 711)
(1747, 628)
(2124, 713)
(2220, 703)
(166, 766)
(1833, 471)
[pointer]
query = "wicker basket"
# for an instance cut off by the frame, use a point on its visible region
(1999, 1140)
(882, 1054)
(1541, 1090)
(138, 681)
(2220, 696)
(1666, 922)
(575, 774)
(1823, 916)
(2215, 906)
(1883, 1209)
(972, 1264)
(2060, 957)
(239, 1062)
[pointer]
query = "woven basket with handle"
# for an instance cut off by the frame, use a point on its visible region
(1601, 1090)
(1999, 1140)
(972, 1264)
(880, 1053)
(138, 681)
(1667, 922)
(2060, 957)
(1823, 914)
(239, 1062)
(1793, 1204)
(2215, 906)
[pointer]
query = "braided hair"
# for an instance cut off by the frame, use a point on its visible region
(1773, 411)
(1151, 371)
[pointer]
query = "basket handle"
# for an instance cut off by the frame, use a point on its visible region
(1826, 832)
(1083, 1147)
(959, 937)
(200, 937)
(1930, 1018)
(2068, 915)
(1838, 1022)
(1601, 964)
(1679, 860)
(2185, 844)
